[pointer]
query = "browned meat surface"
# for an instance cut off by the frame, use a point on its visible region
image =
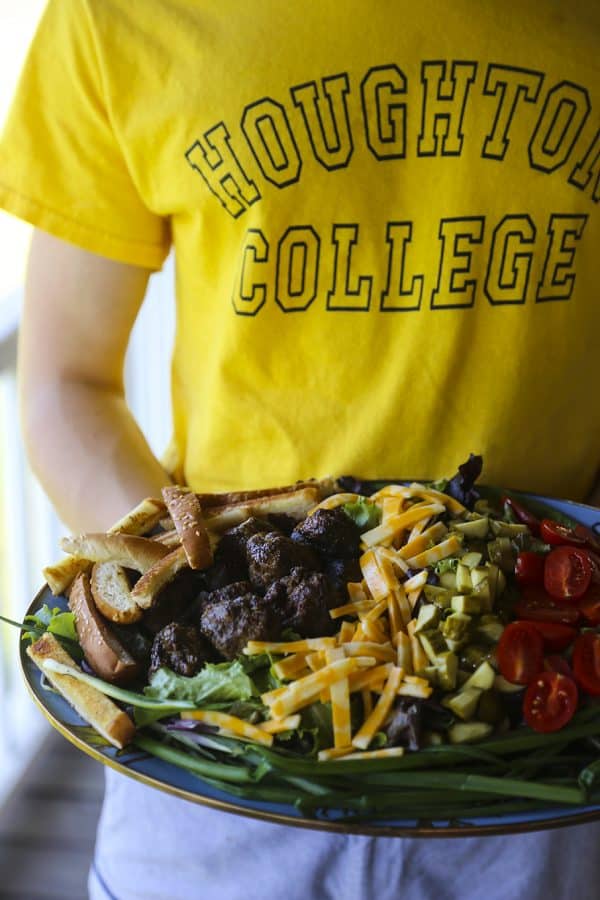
(234, 615)
(230, 556)
(331, 532)
(272, 556)
(304, 599)
(180, 648)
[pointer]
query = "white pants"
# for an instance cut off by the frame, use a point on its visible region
(152, 846)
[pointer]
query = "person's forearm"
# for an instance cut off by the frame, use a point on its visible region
(88, 452)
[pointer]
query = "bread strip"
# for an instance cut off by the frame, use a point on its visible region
(93, 706)
(112, 594)
(142, 519)
(168, 538)
(146, 590)
(295, 504)
(104, 652)
(62, 574)
(133, 552)
(187, 517)
(325, 487)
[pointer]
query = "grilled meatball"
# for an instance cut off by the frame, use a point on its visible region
(230, 556)
(331, 532)
(304, 599)
(180, 648)
(234, 615)
(272, 556)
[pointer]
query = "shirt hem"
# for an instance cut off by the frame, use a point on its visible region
(137, 253)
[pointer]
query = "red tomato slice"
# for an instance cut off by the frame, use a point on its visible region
(536, 605)
(550, 701)
(555, 533)
(586, 662)
(556, 663)
(529, 568)
(555, 635)
(520, 652)
(590, 605)
(589, 537)
(567, 572)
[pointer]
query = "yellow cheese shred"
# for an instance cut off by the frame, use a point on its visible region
(349, 754)
(252, 648)
(230, 724)
(447, 548)
(304, 691)
(365, 734)
(340, 703)
(275, 726)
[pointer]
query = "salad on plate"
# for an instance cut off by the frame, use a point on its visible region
(375, 649)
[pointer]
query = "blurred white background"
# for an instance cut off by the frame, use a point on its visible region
(29, 529)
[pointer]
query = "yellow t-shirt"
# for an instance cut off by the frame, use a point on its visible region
(385, 218)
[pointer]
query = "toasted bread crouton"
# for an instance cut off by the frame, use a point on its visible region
(112, 593)
(187, 517)
(142, 518)
(93, 706)
(146, 590)
(295, 504)
(104, 652)
(133, 552)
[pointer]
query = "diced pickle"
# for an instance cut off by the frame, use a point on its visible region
(464, 704)
(456, 626)
(433, 644)
(473, 655)
(501, 553)
(468, 732)
(429, 616)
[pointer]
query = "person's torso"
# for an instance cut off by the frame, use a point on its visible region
(385, 218)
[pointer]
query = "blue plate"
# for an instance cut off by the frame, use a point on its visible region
(169, 778)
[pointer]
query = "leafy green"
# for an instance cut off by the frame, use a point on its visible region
(316, 720)
(214, 683)
(56, 621)
(446, 565)
(363, 513)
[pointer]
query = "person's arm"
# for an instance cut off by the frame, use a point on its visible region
(81, 439)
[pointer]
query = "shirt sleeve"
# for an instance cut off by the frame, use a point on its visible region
(62, 168)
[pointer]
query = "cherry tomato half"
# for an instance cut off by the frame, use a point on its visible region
(589, 537)
(555, 635)
(590, 605)
(550, 701)
(557, 663)
(567, 572)
(536, 605)
(520, 652)
(586, 662)
(556, 533)
(529, 568)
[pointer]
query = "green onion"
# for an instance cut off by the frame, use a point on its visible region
(205, 769)
(111, 690)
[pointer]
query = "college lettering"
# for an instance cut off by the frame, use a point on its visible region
(288, 269)
(330, 113)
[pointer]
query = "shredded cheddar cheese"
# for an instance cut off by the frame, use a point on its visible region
(229, 724)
